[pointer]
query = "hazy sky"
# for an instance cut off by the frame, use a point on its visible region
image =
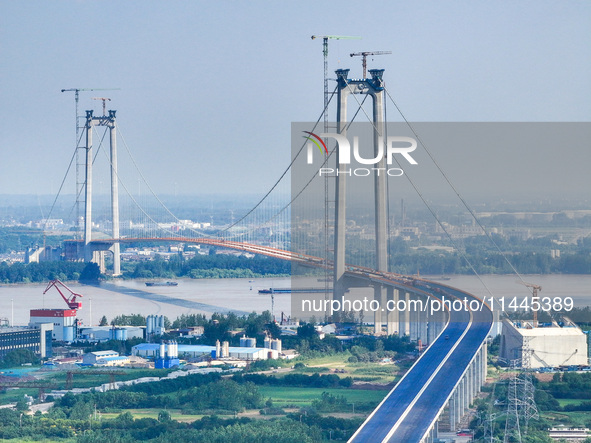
(208, 90)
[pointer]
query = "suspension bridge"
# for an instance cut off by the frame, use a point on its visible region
(287, 223)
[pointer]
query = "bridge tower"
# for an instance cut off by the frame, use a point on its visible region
(91, 253)
(375, 88)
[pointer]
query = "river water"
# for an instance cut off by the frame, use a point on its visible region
(241, 295)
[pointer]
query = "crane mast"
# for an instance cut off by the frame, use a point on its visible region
(104, 99)
(325, 39)
(534, 298)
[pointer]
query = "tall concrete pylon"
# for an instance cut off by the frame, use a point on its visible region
(373, 87)
(90, 253)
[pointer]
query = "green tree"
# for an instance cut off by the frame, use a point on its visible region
(90, 274)
(18, 357)
(164, 416)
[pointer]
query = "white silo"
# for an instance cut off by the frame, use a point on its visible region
(149, 325)
(162, 350)
(276, 345)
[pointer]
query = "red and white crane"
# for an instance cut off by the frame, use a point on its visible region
(71, 300)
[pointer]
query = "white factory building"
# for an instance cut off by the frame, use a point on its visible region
(63, 321)
(550, 345)
(104, 358)
(193, 351)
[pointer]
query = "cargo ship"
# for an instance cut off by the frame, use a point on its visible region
(161, 283)
(294, 291)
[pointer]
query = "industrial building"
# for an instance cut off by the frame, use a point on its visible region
(65, 325)
(154, 325)
(103, 333)
(36, 339)
(549, 344)
(168, 355)
(193, 351)
(63, 321)
(104, 358)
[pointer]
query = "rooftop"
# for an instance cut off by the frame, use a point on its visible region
(525, 329)
(103, 353)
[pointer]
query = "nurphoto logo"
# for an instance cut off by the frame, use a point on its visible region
(394, 145)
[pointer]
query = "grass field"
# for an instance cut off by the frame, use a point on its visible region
(175, 414)
(577, 419)
(570, 401)
(365, 372)
(300, 397)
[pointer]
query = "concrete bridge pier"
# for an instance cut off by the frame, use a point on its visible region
(436, 325)
(467, 389)
(418, 318)
(379, 294)
(98, 257)
(413, 315)
(392, 315)
(424, 323)
(404, 316)
(431, 435)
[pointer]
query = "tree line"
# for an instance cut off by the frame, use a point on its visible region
(75, 416)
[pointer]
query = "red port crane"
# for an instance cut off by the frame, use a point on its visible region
(71, 300)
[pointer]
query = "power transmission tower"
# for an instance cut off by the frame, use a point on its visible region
(512, 421)
(521, 405)
(530, 409)
(489, 427)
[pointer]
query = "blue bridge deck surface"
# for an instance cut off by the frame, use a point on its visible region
(413, 426)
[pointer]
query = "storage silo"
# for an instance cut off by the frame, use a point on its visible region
(118, 334)
(276, 345)
(68, 333)
(150, 325)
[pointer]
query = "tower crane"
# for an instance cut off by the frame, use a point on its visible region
(79, 181)
(364, 54)
(325, 39)
(104, 99)
(534, 297)
(71, 300)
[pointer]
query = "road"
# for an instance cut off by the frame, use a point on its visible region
(409, 410)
